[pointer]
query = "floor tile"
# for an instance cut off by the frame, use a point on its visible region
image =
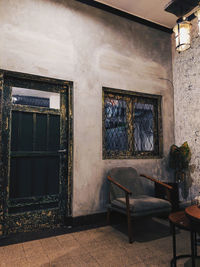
(104, 246)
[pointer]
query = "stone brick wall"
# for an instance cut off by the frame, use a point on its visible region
(1, 181)
(186, 78)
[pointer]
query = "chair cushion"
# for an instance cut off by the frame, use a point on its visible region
(143, 205)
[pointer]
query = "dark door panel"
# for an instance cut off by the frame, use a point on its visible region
(36, 167)
(36, 175)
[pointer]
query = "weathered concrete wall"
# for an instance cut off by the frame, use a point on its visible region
(72, 41)
(186, 76)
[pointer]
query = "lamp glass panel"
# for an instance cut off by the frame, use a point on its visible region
(182, 36)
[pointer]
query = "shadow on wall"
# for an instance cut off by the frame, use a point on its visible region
(122, 29)
(104, 191)
(82, 8)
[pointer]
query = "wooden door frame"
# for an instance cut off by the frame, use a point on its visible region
(14, 223)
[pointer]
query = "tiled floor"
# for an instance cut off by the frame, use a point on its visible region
(103, 246)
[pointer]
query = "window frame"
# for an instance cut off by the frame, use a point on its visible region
(158, 139)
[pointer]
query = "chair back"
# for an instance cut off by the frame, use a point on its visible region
(128, 177)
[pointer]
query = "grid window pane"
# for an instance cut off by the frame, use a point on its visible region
(131, 125)
(115, 124)
(143, 127)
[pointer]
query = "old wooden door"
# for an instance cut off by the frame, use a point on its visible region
(38, 154)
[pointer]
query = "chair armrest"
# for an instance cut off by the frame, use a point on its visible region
(120, 186)
(169, 187)
(169, 190)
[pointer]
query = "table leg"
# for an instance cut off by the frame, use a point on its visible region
(192, 237)
(195, 243)
(173, 227)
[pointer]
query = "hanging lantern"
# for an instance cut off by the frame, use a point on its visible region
(182, 34)
(197, 14)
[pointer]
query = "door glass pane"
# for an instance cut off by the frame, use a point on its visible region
(36, 98)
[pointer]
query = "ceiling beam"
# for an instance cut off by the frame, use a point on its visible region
(125, 15)
(181, 7)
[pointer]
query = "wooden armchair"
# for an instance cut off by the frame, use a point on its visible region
(134, 195)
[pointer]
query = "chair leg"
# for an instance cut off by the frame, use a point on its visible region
(130, 234)
(108, 215)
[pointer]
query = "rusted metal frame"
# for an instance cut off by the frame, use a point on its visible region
(30, 77)
(138, 156)
(69, 87)
(32, 220)
(31, 84)
(1, 163)
(25, 219)
(63, 157)
(39, 110)
(130, 129)
(129, 93)
(103, 126)
(6, 128)
(21, 202)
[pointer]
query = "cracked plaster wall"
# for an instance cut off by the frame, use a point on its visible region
(186, 77)
(92, 48)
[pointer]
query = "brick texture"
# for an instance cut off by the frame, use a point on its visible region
(186, 78)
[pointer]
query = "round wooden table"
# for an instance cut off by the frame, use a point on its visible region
(179, 219)
(193, 214)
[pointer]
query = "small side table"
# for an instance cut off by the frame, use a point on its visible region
(193, 214)
(178, 219)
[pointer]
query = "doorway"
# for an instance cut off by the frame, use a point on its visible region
(36, 138)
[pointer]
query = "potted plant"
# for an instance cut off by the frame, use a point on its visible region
(179, 159)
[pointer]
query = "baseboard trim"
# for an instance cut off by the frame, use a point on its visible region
(95, 219)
